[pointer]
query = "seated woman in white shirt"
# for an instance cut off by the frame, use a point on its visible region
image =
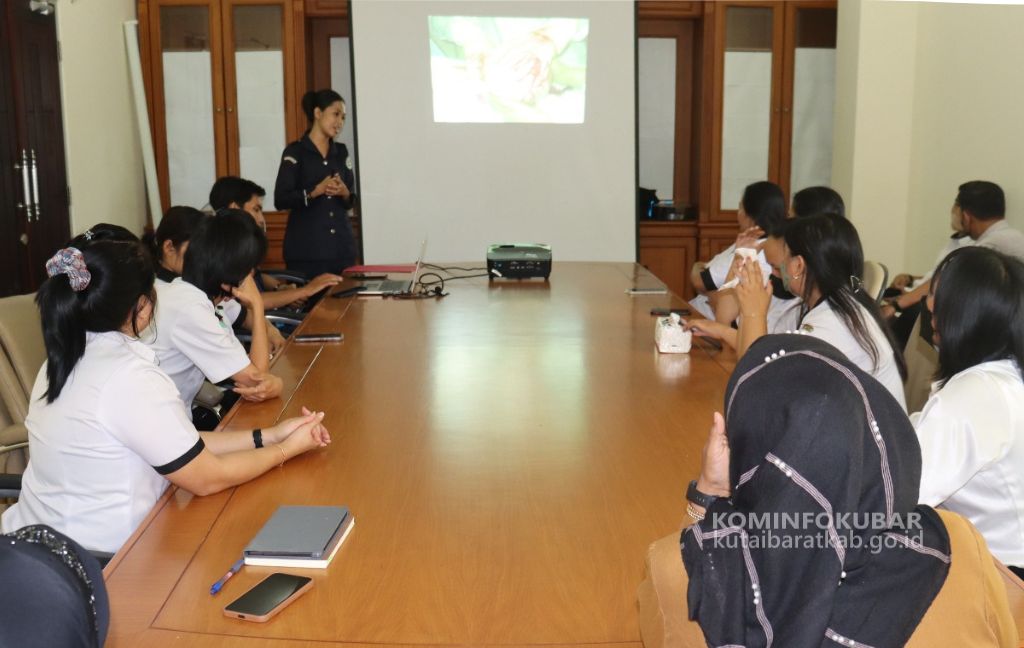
(169, 242)
(107, 430)
(971, 429)
(761, 210)
(820, 260)
(192, 340)
(168, 245)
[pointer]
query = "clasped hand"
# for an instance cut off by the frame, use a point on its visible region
(300, 433)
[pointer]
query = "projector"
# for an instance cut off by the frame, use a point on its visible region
(519, 260)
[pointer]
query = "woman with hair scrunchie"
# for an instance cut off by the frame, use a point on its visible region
(107, 430)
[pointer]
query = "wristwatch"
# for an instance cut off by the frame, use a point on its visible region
(699, 498)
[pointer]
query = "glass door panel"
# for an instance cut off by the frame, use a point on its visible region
(814, 92)
(656, 86)
(186, 63)
(746, 101)
(259, 87)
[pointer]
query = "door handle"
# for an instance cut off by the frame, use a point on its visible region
(26, 190)
(35, 185)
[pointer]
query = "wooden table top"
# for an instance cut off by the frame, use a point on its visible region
(508, 452)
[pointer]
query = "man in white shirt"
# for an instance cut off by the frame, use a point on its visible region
(982, 207)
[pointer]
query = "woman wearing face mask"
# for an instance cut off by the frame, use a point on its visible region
(107, 429)
(315, 182)
(972, 427)
(820, 260)
(761, 211)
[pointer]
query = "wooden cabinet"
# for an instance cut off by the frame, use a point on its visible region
(754, 98)
(669, 249)
(772, 92)
(222, 86)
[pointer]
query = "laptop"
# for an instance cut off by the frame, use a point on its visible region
(387, 287)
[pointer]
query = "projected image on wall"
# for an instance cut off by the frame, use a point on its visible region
(502, 70)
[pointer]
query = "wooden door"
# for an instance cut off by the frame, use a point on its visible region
(13, 180)
(33, 138)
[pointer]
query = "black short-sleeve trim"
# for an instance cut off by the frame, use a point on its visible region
(181, 461)
(709, 283)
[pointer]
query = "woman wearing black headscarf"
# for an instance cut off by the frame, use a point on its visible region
(814, 536)
(53, 592)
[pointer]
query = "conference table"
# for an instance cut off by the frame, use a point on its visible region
(508, 451)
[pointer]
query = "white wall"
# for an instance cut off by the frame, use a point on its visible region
(927, 97)
(875, 68)
(468, 185)
(967, 120)
(104, 160)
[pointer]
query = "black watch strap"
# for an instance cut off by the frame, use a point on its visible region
(257, 438)
(697, 497)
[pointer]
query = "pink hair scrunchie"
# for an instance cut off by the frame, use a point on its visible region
(70, 261)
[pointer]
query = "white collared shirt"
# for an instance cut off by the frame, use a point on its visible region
(1003, 238)
(972, 452)
(951, 245)
(191, 341)
(823, 323)
(100, 450)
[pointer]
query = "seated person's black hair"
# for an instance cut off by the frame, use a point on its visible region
(223, 250)
(232, 189)
(979, 309)
(818, 201)
(102, 232)
(176, 226)
(765, 204)
(984, 200)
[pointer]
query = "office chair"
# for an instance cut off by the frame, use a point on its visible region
(876, 278)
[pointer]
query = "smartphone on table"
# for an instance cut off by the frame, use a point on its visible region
(268, 597)
(320, 337)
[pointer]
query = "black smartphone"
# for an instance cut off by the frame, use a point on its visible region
(268, 597)
(320, 337)
(665, 312)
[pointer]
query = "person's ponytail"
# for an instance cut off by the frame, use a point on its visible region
(96, 289)
(60, 309)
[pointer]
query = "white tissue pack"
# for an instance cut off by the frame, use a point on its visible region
(670, 336)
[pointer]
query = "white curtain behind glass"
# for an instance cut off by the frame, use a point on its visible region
(746, 122)
(188, 108)
(814, 94)
(261, 137)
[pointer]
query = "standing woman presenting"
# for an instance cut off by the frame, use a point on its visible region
(315, 182)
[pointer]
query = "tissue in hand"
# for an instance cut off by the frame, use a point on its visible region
(746, 253)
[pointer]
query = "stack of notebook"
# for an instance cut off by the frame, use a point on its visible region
(306, 537)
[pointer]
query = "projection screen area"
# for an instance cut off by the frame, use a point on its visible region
(487, 122)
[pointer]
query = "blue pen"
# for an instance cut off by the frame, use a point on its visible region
(237, 567)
